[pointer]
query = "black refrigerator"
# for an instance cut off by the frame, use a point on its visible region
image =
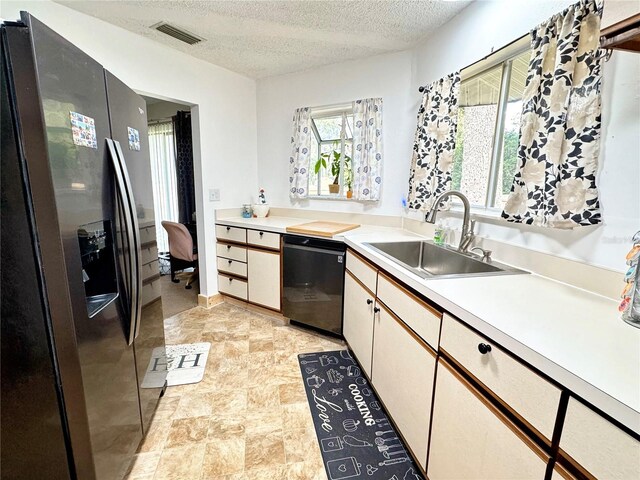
(75, 338)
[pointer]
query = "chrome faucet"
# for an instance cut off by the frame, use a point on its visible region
(468, 225)
(486, 254)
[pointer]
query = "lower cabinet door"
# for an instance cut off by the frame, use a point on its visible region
(471, 440)
(357, 325)
(403, 375)
(263, 275)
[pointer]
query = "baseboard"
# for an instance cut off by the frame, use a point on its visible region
(255, 308)
(208, 302)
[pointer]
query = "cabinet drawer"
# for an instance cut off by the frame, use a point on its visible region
(232, 286)
(523, 390)
(423, 320)
(367, 275)
(232, 266)
(150, 269)
(233, 234)
(149, 254)
(151, 291)
(403, 374)
(264, 239)
(231, 252)
(471, 440)
(148, 234)
(602, 449)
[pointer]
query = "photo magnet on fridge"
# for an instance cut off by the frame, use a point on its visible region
(83, 129)
(134, 139)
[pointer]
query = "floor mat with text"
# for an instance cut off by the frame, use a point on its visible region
(356, 438)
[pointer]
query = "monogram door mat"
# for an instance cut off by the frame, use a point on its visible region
(181, 364)
(356, 438)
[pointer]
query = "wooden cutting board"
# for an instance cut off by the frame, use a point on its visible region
(322, 229)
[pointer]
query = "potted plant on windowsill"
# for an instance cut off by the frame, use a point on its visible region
(334, 157)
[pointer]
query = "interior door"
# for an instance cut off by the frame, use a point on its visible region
(127, 111)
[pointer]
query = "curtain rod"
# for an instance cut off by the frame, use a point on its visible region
(160, 120)
(421, 89)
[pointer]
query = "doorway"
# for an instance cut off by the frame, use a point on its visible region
(171, 156)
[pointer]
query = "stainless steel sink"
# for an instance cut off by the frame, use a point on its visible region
(433, 261)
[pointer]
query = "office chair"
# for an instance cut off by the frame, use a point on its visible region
(182, 253)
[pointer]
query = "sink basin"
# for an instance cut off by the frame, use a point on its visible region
(433, 261)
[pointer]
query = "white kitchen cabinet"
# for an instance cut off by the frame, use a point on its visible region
(362, 270)
(599, 446)
(523, 390)
(263, 239)
(420, 317)
(403, 375)
(263, 275)
(357, 325)
(256, 271)
(232, 234)
(232, 286)
(471, 440)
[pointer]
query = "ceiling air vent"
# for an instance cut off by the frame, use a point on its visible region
(177, 33)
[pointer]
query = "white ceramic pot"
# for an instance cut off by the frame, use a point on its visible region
(260, 210)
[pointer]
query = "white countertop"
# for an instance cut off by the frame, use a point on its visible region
(573, 336)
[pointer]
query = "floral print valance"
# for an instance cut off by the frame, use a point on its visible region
(555, 181)
(367, 149)
(434, 144)
(300, 152)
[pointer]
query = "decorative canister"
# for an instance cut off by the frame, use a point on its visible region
(246, 211)
(260, 210)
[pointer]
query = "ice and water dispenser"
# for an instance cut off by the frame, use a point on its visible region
(98, 264)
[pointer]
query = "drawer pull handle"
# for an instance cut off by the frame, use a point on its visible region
(228, 228)
(261, 234)
(369, 301)
(484, 348)
(230, 262)
(230, 280)
(376, 309)
(228, 247)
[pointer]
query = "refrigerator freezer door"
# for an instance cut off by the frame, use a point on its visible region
(33, 434)
(74, 104)
(129, 128)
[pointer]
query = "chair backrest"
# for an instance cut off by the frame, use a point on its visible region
(180, 241)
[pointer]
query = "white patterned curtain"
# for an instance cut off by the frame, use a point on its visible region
(300, 153)
(435, 142)
(555, 182)
(163, 174)
(367, 149)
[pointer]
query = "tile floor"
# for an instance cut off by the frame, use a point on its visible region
(249, 417)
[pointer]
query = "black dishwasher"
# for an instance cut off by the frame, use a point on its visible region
(313, 282)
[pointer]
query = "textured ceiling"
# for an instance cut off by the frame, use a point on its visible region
(264, 38)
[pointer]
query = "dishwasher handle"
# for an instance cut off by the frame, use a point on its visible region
(323, 251)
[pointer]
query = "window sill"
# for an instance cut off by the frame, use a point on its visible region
(478, 212)
(329, 197)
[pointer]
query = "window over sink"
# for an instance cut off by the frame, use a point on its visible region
(487, 138)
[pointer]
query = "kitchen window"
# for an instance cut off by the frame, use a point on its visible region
(489, 113)
(331, 172)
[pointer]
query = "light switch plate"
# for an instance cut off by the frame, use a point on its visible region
(214, 195)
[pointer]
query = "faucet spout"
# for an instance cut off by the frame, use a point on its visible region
(467, 229)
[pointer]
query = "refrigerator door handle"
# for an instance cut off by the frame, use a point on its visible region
(132, 255)
(136, 238)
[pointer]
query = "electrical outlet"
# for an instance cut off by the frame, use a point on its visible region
(214, 195)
